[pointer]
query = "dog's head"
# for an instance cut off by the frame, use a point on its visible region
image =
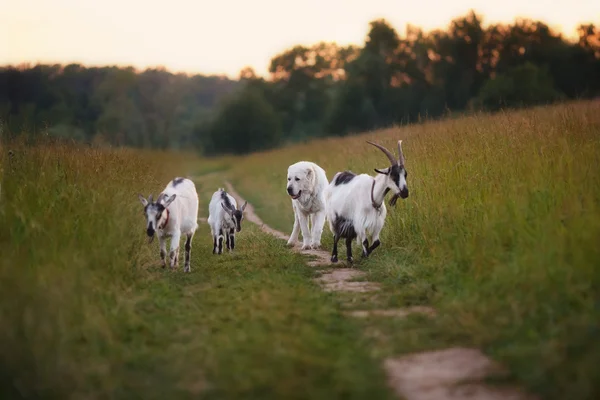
(300, 180)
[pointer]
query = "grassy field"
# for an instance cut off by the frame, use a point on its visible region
(500, 233)
(87, 313)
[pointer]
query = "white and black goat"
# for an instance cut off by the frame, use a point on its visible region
(224, 219)
(355, 203)
(174, 213)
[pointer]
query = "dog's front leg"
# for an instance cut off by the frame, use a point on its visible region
(296, 229)
(303, 220)
(318, 220)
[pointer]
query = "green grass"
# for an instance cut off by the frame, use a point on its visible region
(87, 312)
(500, 233)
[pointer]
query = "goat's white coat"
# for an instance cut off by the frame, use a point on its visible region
(352, 201)
(182, 218)
(309, 180)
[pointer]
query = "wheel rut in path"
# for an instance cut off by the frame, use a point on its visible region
(446, 374)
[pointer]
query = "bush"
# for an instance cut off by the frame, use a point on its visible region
(246, 123)
(524, 85)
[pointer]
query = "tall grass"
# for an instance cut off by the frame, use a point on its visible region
(500, 232)
(87, 313)
(69, 224)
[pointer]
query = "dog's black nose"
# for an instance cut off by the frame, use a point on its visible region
(290, 190)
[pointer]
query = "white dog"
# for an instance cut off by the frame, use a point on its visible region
(306, 183)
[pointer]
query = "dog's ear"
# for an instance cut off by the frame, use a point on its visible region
(311, 175)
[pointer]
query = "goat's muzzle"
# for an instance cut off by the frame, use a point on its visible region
(150, 233)
(403, 194)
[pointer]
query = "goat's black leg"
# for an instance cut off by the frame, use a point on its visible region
(365, 246)
(214, 244)
(349, 250)
(232, 238)
(188, 250)
(375, 244)
(220, 250)
(163, 250)
(334, 253)
(227, 241)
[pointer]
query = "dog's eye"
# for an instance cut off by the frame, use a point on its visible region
(297, 179)
(289, 179)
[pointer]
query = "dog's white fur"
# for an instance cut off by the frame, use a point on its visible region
(308, 181)
(181, 206)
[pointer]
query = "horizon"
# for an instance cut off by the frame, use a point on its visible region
(75, 32)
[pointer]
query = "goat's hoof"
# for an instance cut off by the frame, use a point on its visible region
(187, 269)
(334, 259)
(350, 260)
(316, 245)
(290, 244)
(305, 247)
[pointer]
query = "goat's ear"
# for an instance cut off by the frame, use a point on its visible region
(382, 171)
(143, 200)
(227, 209)
(169, 200)
(244, 206)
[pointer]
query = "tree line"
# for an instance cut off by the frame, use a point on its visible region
(314, 91)
(110, 105)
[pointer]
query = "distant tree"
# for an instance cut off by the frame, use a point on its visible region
(523, 85)
(246, 123)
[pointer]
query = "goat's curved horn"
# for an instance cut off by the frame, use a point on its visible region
(400, 154)
(150, 198)
(389, 155)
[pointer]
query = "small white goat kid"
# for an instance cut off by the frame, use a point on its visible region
(174, 213)
(355, 203)
(224, 219)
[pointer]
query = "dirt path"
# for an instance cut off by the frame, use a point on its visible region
(446, 374)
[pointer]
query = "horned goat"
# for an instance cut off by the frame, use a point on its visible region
(174, 213)
(224, 219)
(355, 203)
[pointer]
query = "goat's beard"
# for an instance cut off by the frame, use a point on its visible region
(394, 199)
(151, 239)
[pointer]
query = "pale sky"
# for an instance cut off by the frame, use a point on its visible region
(222, 37)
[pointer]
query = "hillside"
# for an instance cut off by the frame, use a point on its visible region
(499, 236)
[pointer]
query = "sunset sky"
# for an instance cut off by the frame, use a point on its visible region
(224, 36)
